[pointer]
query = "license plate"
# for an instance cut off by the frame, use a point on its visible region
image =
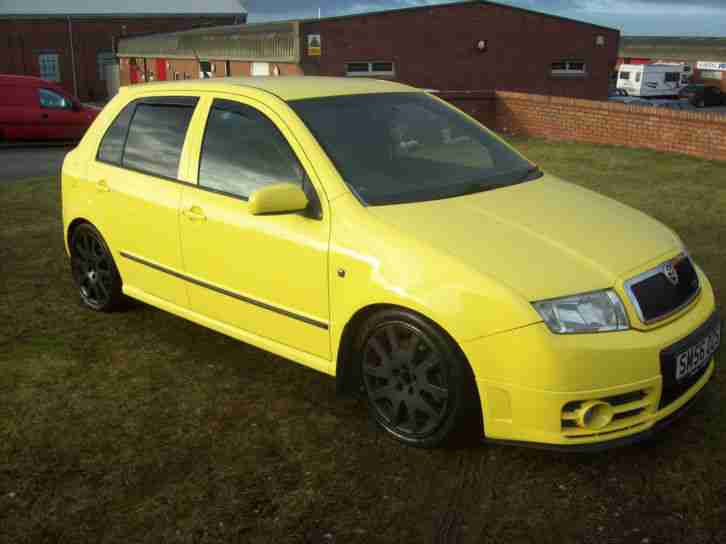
(693, 359)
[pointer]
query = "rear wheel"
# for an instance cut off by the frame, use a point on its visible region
(94, 270)
(701, 103)
(419, 387)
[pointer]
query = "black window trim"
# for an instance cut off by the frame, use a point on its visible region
(182, 101)
(567, 72)
(370, 72)
(316, 211)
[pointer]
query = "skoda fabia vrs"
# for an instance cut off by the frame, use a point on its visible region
(375, 233)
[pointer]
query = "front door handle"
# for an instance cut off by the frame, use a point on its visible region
(102, 186)
(194, 213)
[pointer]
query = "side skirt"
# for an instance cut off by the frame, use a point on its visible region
(307, 359)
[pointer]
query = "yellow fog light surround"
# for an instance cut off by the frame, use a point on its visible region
(595, 415)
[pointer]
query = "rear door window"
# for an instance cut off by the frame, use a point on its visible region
(156, 135)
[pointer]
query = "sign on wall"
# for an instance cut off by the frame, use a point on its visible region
(706, 65)
(315, 45)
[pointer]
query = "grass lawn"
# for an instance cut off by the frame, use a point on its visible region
(139, 426)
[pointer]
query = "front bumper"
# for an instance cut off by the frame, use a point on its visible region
(528, 377)
(632, 435)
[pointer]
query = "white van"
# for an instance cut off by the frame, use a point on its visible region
(653, 79)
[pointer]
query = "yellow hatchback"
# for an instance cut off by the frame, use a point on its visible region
(375, 233)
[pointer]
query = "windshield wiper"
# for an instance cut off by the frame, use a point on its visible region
(532, 173)
(481, 186)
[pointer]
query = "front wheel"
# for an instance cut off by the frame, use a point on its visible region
(419, 387)
(94, 270)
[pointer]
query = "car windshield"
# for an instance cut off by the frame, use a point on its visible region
(396, 148)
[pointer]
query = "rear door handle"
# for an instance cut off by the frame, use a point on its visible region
(102, 186)
(194, 213)
(44, 116)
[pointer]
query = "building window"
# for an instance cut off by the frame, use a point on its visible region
(711, 74)
(672, 77)
(260, 69)
(103, 59)
(624, 75)
(637, 77)
(568, 68)
(376, 68)
(206, 69)
(49, 66)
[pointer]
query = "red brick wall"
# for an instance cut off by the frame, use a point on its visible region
(21, 40)
(481, 105)
(600, 122)
(435, 48)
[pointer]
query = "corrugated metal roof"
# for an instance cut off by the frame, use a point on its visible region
(673, 48)
(127, 7)
(271, 42)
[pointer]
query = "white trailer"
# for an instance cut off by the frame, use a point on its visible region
(648, 80)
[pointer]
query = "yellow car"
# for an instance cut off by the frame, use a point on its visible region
(375, 233)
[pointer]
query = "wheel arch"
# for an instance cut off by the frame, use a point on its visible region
(72, 226)
(347, 378)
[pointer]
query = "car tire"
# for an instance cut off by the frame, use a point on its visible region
(701, 103)
(419, 387)
(94, 270)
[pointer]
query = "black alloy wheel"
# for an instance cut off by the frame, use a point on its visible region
(418, 387)
(94, 270)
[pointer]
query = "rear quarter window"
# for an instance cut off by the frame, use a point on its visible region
(112, 144)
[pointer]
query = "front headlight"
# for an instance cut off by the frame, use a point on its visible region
(599, 311)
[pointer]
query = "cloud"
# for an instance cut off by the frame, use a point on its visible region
(676, 17)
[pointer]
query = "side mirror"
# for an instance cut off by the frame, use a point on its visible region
(76, 106)
(277, 198)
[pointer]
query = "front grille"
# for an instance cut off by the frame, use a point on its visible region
(655, 296)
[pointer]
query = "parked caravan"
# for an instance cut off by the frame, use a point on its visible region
(648, 80)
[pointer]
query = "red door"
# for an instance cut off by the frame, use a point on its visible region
(161, 69)
(134, 72)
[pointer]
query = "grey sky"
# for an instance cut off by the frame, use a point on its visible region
(664, 17)
(670, 17)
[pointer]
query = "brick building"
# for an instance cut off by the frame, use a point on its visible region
(459, 46)
(73, 48)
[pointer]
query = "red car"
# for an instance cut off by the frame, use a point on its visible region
(34, 109)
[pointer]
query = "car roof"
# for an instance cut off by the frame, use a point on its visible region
(286, 87)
